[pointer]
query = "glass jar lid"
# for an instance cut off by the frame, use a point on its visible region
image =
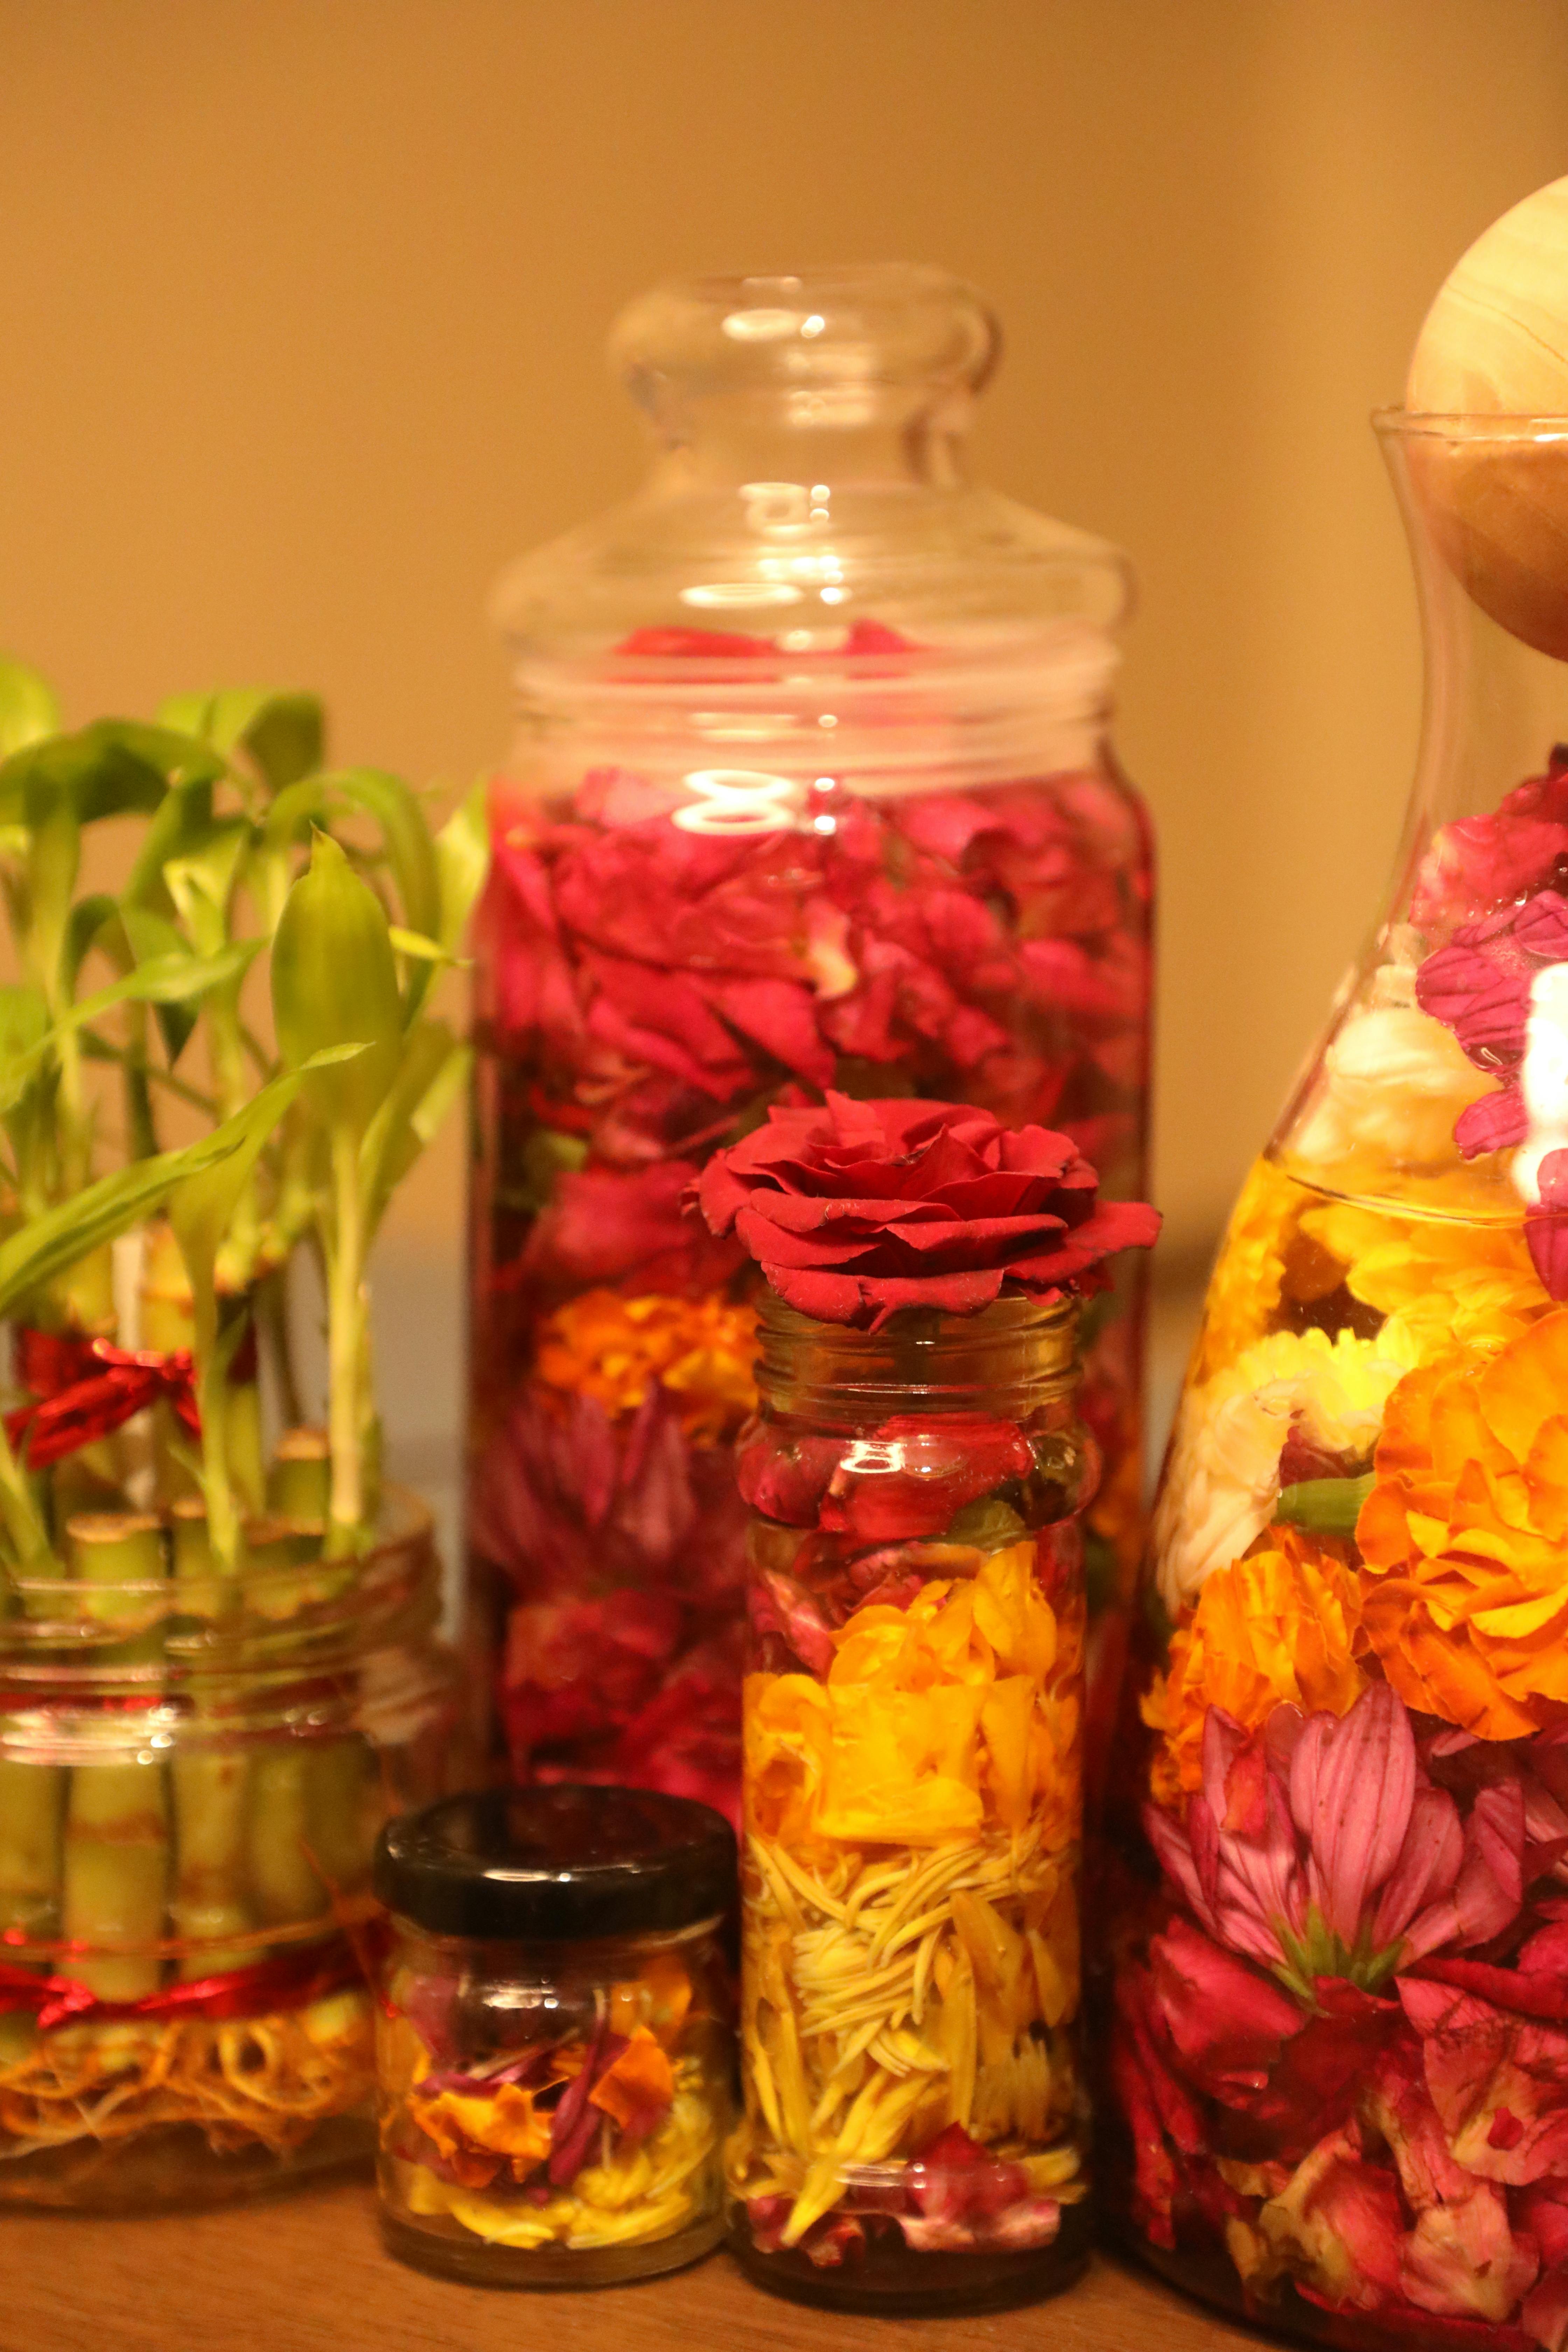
(808, 576)
(558, 1864)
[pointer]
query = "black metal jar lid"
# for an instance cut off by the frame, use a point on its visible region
(557, 1864)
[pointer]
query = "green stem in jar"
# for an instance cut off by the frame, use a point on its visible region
(201, 1210)
(166, 1317)
(348, 1336)
(116, 1875)
(212, 1796)
(32, 1798)
(116, 1862)
(246, 1454)
(298, 1480)
(118, 1551)
(285, 1885)
(339, 1831)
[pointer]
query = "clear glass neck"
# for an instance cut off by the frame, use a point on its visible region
(1434, 1070)
(1485, 505)
(834, 378)
(1013, 1358)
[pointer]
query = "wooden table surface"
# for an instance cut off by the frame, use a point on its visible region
(308, 2274)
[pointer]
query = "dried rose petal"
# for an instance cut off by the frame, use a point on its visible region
(862, 1208)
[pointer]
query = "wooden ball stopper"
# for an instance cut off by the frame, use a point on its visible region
(1495, 344)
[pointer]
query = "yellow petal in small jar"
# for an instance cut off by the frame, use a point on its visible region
(1495, 344)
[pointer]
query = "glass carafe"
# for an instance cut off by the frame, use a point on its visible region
(1340, 2001)
(812, 789)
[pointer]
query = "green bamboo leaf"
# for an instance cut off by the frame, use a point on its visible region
(151, 937)
(424, 951)
(462, 861)
(335, 980)
(24, 1027)
(53, 863)
(396, 810)
(163, 979)
(87, 918)
(180, 823)
(47, 1244)
(284, 733)
(113, 768)
(201, 882)
(29, 711)
(24, 1021)
(175, 979)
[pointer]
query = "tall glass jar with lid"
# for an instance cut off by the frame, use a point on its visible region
(812, 790)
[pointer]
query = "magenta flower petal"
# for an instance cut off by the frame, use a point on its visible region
(1416, 1901)
(1352, 1788)
(1495, 1123)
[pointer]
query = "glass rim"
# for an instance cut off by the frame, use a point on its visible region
(890, 280)
(281, 1618)
(1012, 1311)
(1398, 423)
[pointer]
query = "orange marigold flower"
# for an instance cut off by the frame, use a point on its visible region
(1465, 1574)
(613, 1348)
(1244, 1291)
(1276, 1628)
(954, 1715)
(1439, 1281)
(477, 2131)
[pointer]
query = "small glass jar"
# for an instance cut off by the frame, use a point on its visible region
(556, 2047)
(914, 2135)
(193, 1769)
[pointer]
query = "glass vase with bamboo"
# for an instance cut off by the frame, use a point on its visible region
(217, 1668)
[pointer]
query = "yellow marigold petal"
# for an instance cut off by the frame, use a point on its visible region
(1006, 1715)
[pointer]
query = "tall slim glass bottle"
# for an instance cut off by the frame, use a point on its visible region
(812, 790)
(1340, 2048)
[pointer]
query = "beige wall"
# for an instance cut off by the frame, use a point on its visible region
(301, 304)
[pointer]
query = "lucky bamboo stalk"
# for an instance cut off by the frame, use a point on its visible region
(212, 1811)
(32, 1797)
(116, 1876)
(286, 1886)
(299, 1482)
(338, 1797)
(119, 1551)
(116, 1862)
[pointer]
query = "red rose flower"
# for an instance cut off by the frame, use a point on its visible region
(861, 1208)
